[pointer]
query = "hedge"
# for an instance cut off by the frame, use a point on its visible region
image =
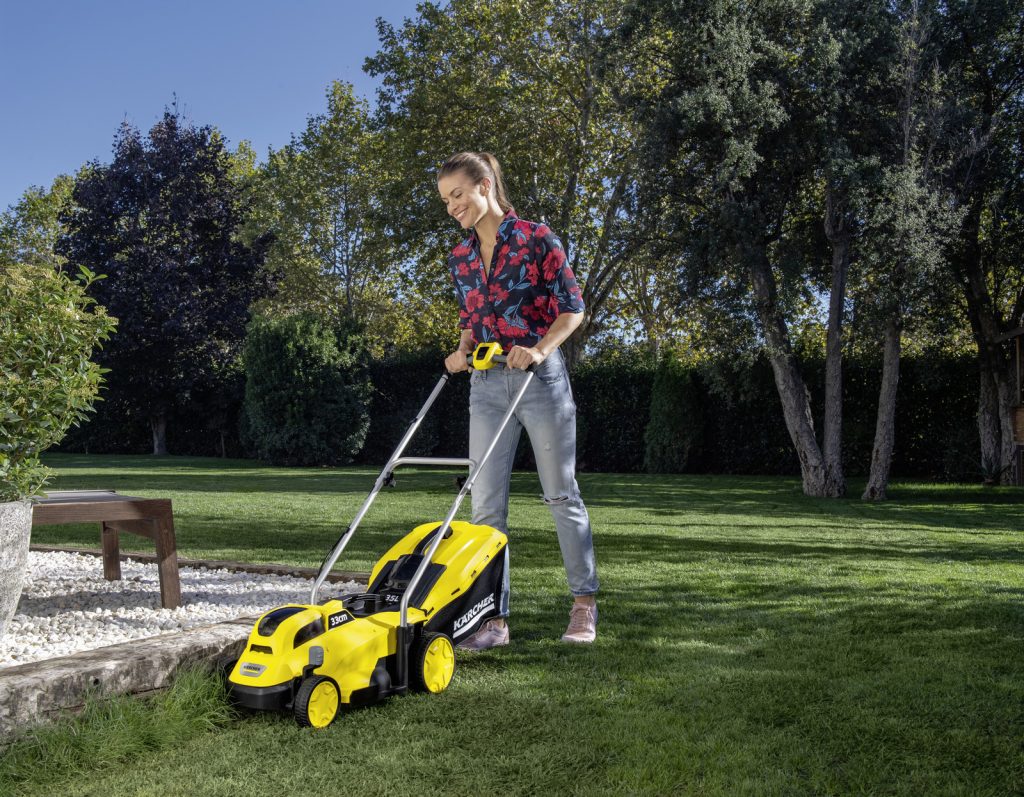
(720, 416)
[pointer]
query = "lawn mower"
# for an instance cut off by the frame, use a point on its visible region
(435, 586)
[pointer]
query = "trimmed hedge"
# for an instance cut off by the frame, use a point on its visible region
(633, 416)
(306, 391)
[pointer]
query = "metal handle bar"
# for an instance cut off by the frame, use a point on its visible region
(466, 487)
(397, 460)
(382, 479)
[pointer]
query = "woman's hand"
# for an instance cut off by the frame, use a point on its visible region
(523, 357)
(456, 361)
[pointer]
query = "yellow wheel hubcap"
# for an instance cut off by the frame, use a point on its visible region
(323, 705)
(438, 664)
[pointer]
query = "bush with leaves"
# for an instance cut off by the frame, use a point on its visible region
(307, 392)
(49, 329)
(675, 429)
(613, 400)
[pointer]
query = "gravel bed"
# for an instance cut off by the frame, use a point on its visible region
(67, 606)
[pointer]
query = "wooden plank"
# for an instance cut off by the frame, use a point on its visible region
(111, 550)
(45, 513)
(167, 562)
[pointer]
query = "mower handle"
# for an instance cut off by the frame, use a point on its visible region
(497, 359)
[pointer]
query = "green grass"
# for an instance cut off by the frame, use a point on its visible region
(752, 641)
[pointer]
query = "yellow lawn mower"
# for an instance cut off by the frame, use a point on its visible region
(437, 585)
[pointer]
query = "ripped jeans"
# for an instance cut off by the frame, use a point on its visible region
(548, 413)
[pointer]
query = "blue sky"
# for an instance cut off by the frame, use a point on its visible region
(71, 72)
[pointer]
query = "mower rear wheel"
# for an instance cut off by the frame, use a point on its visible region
(432, 663)
(317, 702)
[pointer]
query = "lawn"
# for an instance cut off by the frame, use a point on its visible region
(751, 641)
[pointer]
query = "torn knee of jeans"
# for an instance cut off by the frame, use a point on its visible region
(560, 499)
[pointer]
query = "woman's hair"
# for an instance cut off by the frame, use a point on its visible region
(477, 166)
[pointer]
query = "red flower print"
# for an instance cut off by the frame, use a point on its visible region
(510, 331)
(533, 273)
(552, 264)
(474, 300)
(461, 250)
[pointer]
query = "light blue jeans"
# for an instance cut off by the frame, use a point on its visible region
(548, 413)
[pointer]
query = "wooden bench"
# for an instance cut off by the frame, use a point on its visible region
(147, 517)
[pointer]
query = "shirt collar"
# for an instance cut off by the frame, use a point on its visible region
(508, 224)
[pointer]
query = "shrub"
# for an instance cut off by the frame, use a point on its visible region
(49, 328)
(675, 430)
(401, 384)
(613, 399)
(306, 393)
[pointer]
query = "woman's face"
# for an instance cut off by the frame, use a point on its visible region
(466, 202)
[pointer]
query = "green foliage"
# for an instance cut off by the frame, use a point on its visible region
(306, 391)
(319, 196)
(401, 383)
(534, 82)
(30, 229)
(161, 221)
(675, 427)
(613, 401)
(49, 328)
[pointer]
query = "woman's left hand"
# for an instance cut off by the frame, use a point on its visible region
(523, 357)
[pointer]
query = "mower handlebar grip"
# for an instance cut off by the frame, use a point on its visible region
(500, 359)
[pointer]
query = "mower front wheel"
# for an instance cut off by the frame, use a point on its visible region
(317, 702)
(432, 663)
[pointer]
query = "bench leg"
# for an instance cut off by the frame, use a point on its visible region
(111, 553)
(167, 561)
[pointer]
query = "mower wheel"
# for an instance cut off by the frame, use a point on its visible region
(431, 663)
(317, 702)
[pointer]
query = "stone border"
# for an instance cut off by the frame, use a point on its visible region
(40, 691)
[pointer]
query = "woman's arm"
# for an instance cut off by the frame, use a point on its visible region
(558, 332)
(456, 361)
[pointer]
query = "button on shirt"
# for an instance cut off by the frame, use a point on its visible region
(529, 286)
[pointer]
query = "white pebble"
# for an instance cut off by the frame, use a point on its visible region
(67, 606)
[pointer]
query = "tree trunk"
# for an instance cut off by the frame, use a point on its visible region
(885, 423)
(988, 424)
(832, 431)
(158, 423)
(996, 393)
(796, 405)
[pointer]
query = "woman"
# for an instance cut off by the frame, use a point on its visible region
(514, 286)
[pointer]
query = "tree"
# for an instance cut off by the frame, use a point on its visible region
(160, 222)
(982, 52)
(319, 196)
(30, 229)
(908, 222)
(736, 137)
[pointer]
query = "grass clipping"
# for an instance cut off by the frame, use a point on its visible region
(116, 730)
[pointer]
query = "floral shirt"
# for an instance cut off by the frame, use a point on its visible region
(529, 286)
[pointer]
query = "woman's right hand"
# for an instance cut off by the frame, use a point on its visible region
(456, 361)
